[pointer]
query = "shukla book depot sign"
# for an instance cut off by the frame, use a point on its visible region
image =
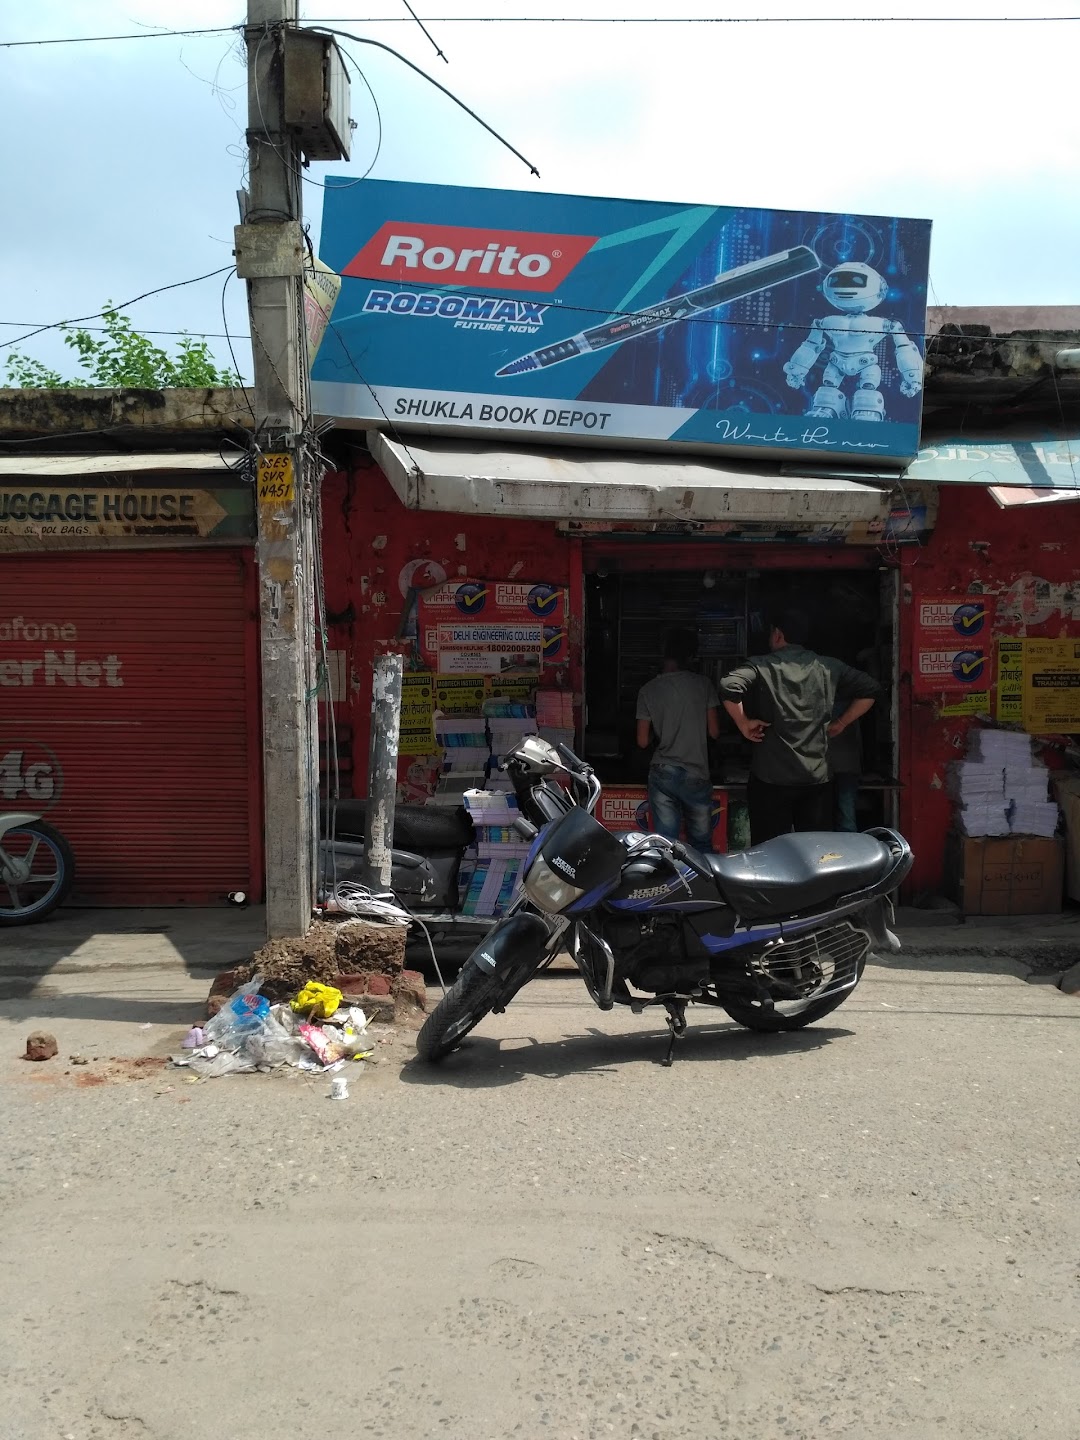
(534, 316)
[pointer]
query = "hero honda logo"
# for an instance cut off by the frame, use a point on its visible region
(460, 254)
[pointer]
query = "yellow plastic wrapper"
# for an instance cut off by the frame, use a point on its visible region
(319, 1001)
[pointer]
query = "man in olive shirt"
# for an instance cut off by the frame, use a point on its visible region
(783, 703)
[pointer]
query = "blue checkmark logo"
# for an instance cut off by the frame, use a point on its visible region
(471, 598)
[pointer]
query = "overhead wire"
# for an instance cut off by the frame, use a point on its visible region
(423, 27)
(228, 337)
(113, 309)
(100, 329)
(573, 20)
(378, 45)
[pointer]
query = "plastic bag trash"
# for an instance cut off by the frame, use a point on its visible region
(350, 1040)
(195, 1039)
(317, 1000)
(318, 1043)
(220, 1062)
(274, 1043)
(241, 1014)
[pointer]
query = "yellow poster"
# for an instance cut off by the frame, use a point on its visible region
(977, 703)
(461, 694)
(1051, 700)
(1010, 681)
(417, 715)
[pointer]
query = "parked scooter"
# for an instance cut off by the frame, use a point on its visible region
(429, 845)
(37, 869)
(776, 935)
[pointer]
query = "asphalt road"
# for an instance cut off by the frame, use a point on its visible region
(870, 1229)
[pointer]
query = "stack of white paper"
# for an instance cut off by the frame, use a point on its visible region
(1002, 778)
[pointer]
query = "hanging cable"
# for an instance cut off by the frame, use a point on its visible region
(365, 40)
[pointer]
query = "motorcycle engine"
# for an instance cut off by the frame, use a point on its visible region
(650, 955)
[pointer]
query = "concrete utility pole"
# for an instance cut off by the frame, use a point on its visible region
(270, 257)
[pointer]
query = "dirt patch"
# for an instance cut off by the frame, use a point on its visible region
(116, 1071)
(362, 960)
(330, 949)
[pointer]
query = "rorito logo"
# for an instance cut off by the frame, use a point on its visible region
(483, 258)
(471, 598)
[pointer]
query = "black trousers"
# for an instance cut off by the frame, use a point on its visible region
(779, 809)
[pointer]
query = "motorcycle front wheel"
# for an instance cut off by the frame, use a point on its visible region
(37, 869)
(474, 994)
(512, 954)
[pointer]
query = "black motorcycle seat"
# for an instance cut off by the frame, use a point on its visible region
(795, 873)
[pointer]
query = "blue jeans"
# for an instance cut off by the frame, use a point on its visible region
(847, 790)
(674, 796)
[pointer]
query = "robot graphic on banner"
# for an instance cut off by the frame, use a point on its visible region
(853, 338)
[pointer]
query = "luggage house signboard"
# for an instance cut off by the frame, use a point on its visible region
(35, 516)
(563, 316)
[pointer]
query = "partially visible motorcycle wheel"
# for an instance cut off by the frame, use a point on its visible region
(37, 870)
(474, 994)
(776, 1020)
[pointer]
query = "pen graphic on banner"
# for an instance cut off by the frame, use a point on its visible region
(731, 285)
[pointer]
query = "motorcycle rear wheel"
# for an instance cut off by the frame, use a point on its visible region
(776, 1022)
(26, 901)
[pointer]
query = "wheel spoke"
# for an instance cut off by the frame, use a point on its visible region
(15, 901)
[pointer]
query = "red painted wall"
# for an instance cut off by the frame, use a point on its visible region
(368, 540)
(1029, 559)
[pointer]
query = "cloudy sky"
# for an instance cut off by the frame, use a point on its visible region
(129, 153)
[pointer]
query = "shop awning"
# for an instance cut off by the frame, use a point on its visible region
(463, 478)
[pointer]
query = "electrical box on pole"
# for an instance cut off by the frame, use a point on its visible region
(317, 95)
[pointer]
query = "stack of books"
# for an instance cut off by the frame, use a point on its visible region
(465, 756)
(499, 852)
(555, 716)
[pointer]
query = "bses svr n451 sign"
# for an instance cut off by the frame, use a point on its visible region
(532, 315)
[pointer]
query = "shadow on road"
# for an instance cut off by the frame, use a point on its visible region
(484, 1062)
(38, 1004)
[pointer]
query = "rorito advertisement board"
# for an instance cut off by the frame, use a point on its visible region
(538, 317)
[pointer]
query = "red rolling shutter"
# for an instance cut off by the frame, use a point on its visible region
(129, 717)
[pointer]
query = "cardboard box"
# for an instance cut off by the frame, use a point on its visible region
(1006, 875)
(626, 807)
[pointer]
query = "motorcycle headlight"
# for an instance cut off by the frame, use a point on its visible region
(548, 889)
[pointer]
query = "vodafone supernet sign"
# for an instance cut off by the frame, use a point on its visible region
(423, 254)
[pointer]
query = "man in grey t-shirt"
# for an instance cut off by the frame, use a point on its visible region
(682, 709)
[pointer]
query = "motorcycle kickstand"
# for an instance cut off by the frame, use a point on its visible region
(676, 1019)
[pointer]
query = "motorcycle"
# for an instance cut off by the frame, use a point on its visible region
(777, 935)
(37, 869)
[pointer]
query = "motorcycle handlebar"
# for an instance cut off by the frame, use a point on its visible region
(575, 765)
(683, 855)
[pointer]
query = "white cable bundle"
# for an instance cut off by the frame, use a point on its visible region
(356, 899)
(383, 908)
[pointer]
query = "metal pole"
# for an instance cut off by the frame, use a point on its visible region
(382, 770)
(270, 256)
